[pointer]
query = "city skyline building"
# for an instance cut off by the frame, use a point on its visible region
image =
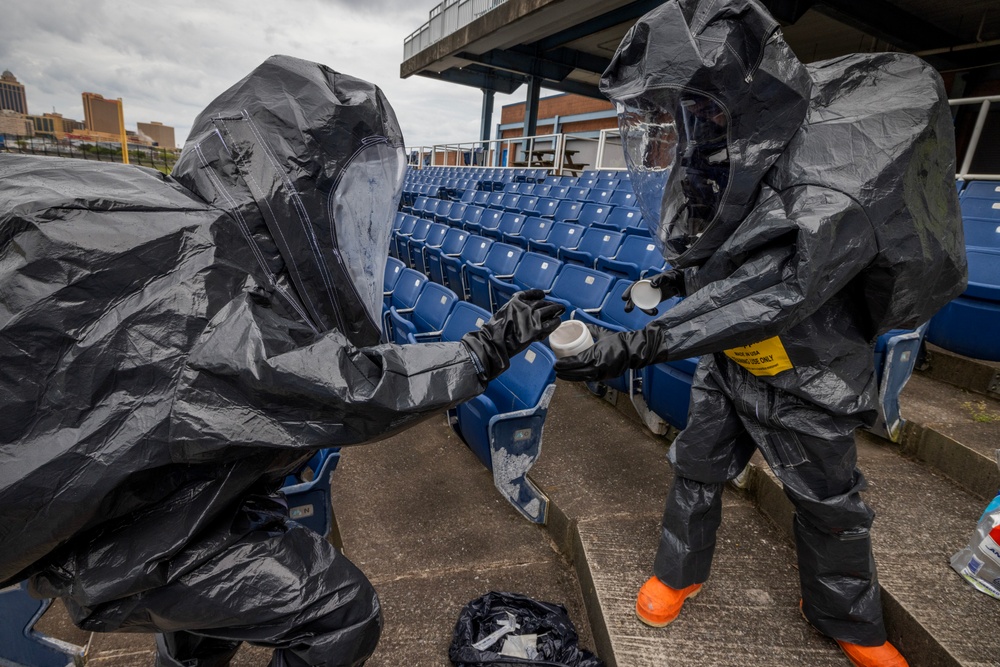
(162, 135)
(101, 114)
(12, 96)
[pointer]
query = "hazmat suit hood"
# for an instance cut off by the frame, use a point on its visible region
(173, 345)
(327, 189)
(708, 96)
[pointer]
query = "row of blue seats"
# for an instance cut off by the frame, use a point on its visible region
(434, 248)
(503, 426)
(588, 214)
(968, 324)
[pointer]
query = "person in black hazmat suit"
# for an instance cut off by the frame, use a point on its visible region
(172, 347)
(805, 210)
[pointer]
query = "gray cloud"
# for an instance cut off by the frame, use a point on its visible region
(168, 60)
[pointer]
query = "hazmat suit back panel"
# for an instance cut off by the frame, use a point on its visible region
(172, 346)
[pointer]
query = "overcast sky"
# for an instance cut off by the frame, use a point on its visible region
(168, 60)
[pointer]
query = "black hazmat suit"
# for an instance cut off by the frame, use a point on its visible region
(172, 347)
(810, 209)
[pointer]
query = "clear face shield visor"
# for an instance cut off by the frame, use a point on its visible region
(361, 208)
(676, 146)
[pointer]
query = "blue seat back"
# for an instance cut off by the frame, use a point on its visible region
(623, 218)
(472, 214)
(475, 249)
(421, 229)
(536, 229)
(521, 386)
(510, 202)
(567, 211)
(592, 214)
(606, 183)
(546, 208)
(408, 289)
(490, 218)
(443, 210)
(558, 192)
(982, 233)
(502, 258)
(454, 241)
(482, 198)
(542, 190)
(464, 317)
(582, 287)
(624, 198)
(456, 213)
(536, 271)
(598, 196)
(984, 189)
(527, 204)
(407, 225)
(496, 199)
(597, 242)
(511, 223)
(565, 235)
(432, 307)
(393, 270)
(984, 275)
(981, 207)
(435, 234)
(420, 204)
(578, 194)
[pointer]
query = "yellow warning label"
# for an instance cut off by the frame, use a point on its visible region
(765, 358)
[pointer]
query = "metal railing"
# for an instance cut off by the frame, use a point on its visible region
(445, 19)
(977, 132)
(542, 151)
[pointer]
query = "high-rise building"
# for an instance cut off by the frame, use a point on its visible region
(12, 93)
(162, 135)
(101, 115)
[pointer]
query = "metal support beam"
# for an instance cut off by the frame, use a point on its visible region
(531, 107)
(486, 123)
(567, 58)
(479, 77)
(889, 22)
(576, 87)
(521, 63)
(626, 14)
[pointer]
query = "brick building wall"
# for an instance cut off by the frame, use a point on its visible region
(562, 106)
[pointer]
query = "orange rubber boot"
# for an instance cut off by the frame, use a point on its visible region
(885, 655)
(658, 604)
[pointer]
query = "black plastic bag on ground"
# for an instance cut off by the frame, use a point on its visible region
(498, 629)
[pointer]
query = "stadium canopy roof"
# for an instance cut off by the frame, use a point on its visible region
(564, 45)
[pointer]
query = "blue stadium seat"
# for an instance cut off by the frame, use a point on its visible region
(896, 355)
(982, 233)
(400, 235)
(624, 198)
(501, 261)
(534, 271)
(419, 233)
(542, 190)
(557, 192)
(562, 235)
(594, 214)
(470, 219)
(567, 211)
(968, 324)
(309, 495)
(443, 211)
(984, 189)
(419, 204)
(593, 244)
(503, 426)
(622, 219)
(635, 257)
(533, 229)
(578, 287)
(417, 247)
(578, 194)
(496, 200)
(453, 268)
(511, 203)
(20, 643)
(510, 223)
(606, 183)
(468, 197)
(546, 208)
(586, 181)
(407, 289)
(981, 208)
(393, 270)
(490, 219)
(454, 242)
(456, 214)
(426, 319)
(598, 196)
(482, 198)
(527, 204)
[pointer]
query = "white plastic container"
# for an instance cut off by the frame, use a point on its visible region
(572, 337)
(645, 296)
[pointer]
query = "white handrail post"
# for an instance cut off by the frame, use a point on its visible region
(560, 156)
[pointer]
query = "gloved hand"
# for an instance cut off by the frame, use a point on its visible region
(526, 318)
(670, 283)
(611, 355)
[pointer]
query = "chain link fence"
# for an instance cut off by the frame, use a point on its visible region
(156, 158)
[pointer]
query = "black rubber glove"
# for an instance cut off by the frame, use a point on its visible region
(526, 318)
(670, 283)
(611, 355)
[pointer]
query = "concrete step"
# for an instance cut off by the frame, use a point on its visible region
(607, 477)
(977, 375)
(954, 430)
(932, 614)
